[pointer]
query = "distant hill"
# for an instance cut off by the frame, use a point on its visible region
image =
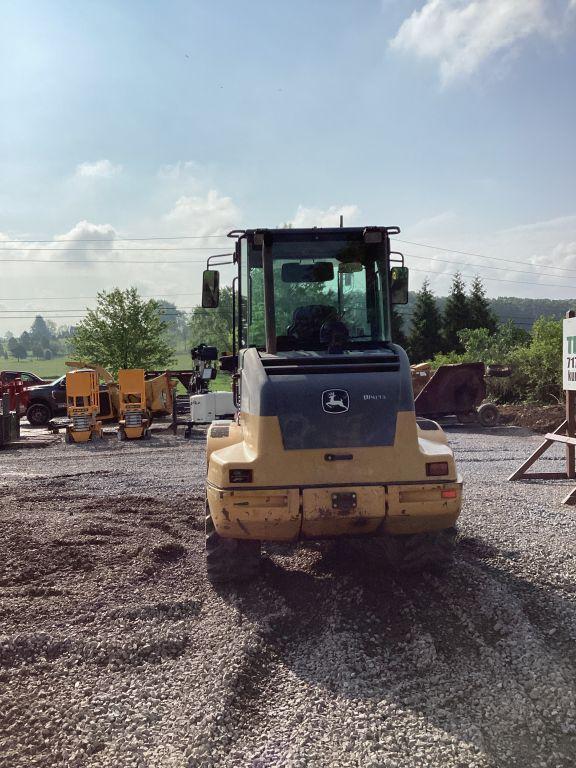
(523, 312)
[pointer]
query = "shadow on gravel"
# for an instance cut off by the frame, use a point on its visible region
(455, 648)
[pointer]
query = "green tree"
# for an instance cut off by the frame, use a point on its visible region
(456, 314)
(17, 349)
(213, 326)
(397, 328)
(425, 337)
(25, 340)
(124, 331)
(480, 314)
(177, 325)
(538, 366)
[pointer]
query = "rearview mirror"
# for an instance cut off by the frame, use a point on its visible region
(348, 267)
(317, 272)
(210, 288)
(399, 285)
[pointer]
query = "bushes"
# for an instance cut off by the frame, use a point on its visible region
(535, 359)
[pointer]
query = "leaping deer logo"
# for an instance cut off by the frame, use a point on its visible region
(335, 400)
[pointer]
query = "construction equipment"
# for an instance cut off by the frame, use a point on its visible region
(206, 406)
(134, 421)
(83, 405)
(9, 421)
(454, 390)
(326, 442)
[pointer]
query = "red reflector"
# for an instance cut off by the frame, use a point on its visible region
(450, 494)
(437, 468)
(240, 475)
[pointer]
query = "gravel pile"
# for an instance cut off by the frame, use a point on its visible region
(115, 651)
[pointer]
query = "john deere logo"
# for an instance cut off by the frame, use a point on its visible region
(335, 400)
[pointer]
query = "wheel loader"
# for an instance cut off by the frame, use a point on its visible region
(325, 443)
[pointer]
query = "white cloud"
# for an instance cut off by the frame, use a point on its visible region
(100, 169)
(328, 217)
(176, 171)
(208, 214)
(460, 35)
(86, 241)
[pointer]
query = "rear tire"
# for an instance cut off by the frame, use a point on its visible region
(412, 553)
(488, 415)
(38, 414)
(229, 559)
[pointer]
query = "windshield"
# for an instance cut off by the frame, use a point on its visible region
(329, 295)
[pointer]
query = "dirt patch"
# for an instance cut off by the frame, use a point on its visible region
(538, 418)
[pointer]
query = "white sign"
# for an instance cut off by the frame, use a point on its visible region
(569, 353)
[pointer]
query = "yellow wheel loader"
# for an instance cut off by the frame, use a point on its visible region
(325, 443)
(83, 405)
(134, 419)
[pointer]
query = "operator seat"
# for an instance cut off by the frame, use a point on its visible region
(307, 322)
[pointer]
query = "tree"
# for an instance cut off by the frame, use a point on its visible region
(37, 350)
(425, 337)
(397, 328)
(213, 326)
(538, 366)
(456, 314)
(481, 316)
(17, 349)
(25, 340)
(177, 327)
(39, 329)
(124, 331)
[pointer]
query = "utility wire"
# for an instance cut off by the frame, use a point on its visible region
(496, 279)
(123, 239)
(111, 248)
(485, 266)
(477, 255)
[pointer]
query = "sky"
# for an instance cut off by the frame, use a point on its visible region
(452, 119)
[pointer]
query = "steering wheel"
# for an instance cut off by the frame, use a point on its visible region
(335, 334)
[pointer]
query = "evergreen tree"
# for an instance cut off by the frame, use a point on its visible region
(481, 316)
(397, 328)
(456, 315)
(425, 337)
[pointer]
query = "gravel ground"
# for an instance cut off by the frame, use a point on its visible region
(115, 651)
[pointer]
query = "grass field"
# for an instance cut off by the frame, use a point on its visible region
(52, 369)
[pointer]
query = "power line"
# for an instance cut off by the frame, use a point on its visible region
(69, 298)
(485, 266)
(496, 279)
(82, 262)
(109, 248)
(477, 255)
(123, 239)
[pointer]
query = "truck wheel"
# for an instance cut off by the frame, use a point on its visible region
(229, 559)
(38, 414)
(411, 553)
(488, 415)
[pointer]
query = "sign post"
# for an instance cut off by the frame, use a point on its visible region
(569, 383)
(566, 432)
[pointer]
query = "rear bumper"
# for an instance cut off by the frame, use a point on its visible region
(322, 512)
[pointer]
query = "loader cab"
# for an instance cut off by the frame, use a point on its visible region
(321, 291)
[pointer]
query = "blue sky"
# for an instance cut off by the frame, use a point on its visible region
(450, 118)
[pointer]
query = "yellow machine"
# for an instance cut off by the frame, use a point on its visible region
(83, 403)
(326, 442)
(134, 420)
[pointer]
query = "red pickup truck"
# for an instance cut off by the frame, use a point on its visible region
(28, 379)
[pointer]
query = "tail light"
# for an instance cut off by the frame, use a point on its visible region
(240, 475)
(436, 468)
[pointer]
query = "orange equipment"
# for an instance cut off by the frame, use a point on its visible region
(134, 418)
(83, 403)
